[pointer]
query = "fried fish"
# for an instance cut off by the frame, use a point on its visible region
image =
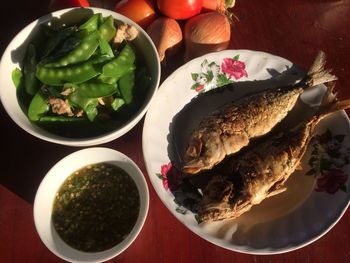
(227, 131)
(260, 172)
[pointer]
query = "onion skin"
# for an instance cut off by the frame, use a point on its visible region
(166, 35)
(220, 6)
(213, 5)
(206, 33)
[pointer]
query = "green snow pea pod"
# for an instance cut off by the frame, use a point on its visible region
(17, 77)
(107, 29)
(89, 105)
(92, 23)
(82, 52)
(126, 86)
(105, 48)
(93, 89)
(109, 80)
(117, 103)
(60, 119)
(121, 65)
(74, 74)
(98, 59)
(31, 83)
(37, 107)
(57, 39)
(81, 33)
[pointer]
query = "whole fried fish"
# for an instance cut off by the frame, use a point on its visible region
(229, 130)
(261, 171)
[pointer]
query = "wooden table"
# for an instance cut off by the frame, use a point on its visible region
(294, 29)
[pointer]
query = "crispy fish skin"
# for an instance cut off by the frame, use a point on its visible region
(261, 171)
(258, 174)
(226, 132)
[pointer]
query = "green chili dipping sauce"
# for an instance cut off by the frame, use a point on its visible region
(96, 207)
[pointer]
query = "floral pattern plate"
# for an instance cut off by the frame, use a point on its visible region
(317, 195)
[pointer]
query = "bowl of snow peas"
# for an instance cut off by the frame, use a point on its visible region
(79, 76)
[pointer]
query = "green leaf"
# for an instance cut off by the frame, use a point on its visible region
(236, 57)
(181, 210)
(222, 80)
(198, 219)
(339, 138)
(204, 63)
(212, 64)
(343, 188)
(195, 85)
(159, 176)
(194, 76)
(209, 76)
(311, 172)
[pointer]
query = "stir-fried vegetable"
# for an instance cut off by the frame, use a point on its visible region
(78, 73)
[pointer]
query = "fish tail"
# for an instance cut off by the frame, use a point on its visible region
(330, 103)
(317, 73)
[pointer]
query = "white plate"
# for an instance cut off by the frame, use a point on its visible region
(279, 224)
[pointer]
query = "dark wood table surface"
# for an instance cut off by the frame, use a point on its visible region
(293, 29)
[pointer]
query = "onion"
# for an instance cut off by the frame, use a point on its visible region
(166, 34)
(206, 33)
(217, 5)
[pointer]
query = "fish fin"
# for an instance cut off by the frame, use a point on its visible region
(193, 167)
(276, 191)
(299, 167)
(317, 74)
(330, 104)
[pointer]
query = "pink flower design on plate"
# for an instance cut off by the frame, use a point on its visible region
(164, 169)
(170, 176)
(199, 88)
(331, 181)
(165, 184)
(234, 68)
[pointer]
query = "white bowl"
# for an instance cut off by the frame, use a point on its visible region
(13, 56)
(44, 199)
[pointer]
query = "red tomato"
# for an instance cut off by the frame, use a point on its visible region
(61, 4)
(180, 9)
(140, 11)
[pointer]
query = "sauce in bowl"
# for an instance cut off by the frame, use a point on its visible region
(96, 207)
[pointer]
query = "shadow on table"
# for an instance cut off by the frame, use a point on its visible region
(26, 159)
